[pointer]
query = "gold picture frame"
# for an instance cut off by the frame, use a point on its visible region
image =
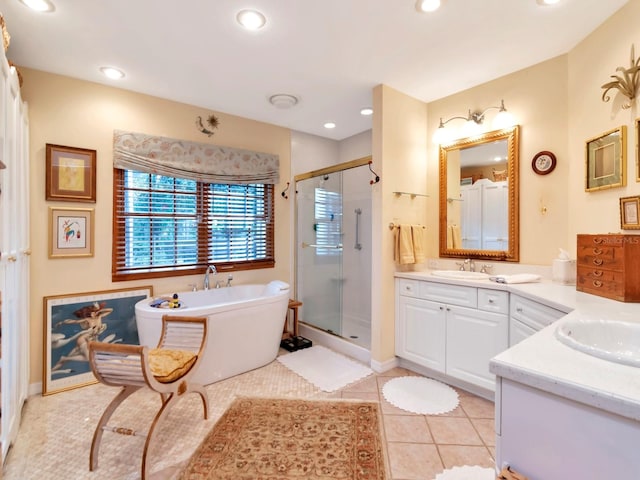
(630, 213)
(71, 232)
(70, 174)
(73, 320)
(606, 160)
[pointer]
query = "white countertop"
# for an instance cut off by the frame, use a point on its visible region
(542, 362)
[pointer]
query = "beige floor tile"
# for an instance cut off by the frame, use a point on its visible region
(365, 396)
(368, 384)
(460, 455)
(486, 429)
(404, 428)
(477, 407)
(414, 461)
(453, 431)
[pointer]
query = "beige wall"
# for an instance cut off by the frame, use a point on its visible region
(591, 64)
(72, 112)
(400, 158)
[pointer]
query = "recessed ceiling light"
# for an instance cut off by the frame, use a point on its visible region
(283, 100)
(111, 72)
(39, 5)
(329, 125)
(251, 19)
(366, 111)
(427, 5)
(545, 3)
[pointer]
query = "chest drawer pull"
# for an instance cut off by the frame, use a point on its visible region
(597, 283)
(598, 261)
(597, 251)
(597, 273)
(597, 240)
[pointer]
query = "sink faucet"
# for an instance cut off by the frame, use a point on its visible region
(210, 268)
(467, 261)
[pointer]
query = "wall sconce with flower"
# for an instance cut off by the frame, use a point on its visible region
(473, 123)
(626, 83)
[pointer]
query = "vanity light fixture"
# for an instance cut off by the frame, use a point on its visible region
(112, 73)
(251, 19)
(474, 120)
(329, 125)
(427, 5)
(44, 6)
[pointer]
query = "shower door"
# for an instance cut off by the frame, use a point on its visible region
(319, 249)
(333, 251)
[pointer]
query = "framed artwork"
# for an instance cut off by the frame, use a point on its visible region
(72, 321)
(637, 129)
(70, 174)
(70, 232)
(630, 213)
(606, 160)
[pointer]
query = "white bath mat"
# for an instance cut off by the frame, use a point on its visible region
(325, 368)
(420, 395)
(467, 473)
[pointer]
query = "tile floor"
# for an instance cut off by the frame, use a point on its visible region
(56, 430)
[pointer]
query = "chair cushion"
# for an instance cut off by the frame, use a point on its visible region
(169, 365)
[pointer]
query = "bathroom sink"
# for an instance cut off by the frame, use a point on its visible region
(612, 340)
(460, 275)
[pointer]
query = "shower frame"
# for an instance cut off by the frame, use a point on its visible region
(364, 161)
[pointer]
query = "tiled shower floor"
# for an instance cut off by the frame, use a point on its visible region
(56, 431)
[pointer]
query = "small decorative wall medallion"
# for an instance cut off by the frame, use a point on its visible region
(212, 122)
(543, 162)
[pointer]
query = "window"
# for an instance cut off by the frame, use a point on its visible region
(165, 226)
(328, 226)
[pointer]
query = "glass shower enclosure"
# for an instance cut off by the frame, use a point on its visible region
(333, 250)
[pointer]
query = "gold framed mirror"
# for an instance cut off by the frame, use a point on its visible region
(479, 196)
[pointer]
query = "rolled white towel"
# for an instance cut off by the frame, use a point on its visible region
(517, 278)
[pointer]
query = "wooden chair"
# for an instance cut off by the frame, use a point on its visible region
(165, 369)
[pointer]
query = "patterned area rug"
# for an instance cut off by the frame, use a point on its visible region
(280, 439)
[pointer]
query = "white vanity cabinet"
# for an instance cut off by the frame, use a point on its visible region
(526, 317)
(451, 329)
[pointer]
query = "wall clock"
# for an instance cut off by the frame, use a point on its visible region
(543, 162)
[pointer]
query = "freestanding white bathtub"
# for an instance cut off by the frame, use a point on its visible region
(244, 329)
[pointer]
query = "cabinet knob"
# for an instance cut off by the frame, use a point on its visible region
(491, 300)
(441, 308)
(597, 283)
(519, 309)
(12, 258)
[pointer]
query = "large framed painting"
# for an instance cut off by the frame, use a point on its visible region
(606, 160)
(70, 174)
(72, 321)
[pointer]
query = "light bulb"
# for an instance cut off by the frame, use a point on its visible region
(442, 135)
(251, 19)
(503, 119)
(427, 5)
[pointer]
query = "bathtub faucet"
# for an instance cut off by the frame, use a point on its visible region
(210, 268)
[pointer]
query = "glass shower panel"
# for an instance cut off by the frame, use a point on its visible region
(319, 250)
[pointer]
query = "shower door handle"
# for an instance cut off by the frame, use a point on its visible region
(358, 245)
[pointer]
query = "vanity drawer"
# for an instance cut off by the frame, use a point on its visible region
(449, 294)
(531, 313)
(408, 288)
(495, 301)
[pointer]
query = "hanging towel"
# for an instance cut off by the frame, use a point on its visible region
(404, 245)
(417, 234)
(456, 236)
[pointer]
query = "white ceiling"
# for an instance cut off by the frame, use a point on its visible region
(329, 53)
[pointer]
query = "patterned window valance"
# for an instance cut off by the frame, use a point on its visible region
(196, 161)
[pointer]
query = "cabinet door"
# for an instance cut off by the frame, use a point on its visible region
(420, 332)
(473, 338)
(518, 331)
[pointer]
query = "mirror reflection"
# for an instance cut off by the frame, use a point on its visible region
(479, 196)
